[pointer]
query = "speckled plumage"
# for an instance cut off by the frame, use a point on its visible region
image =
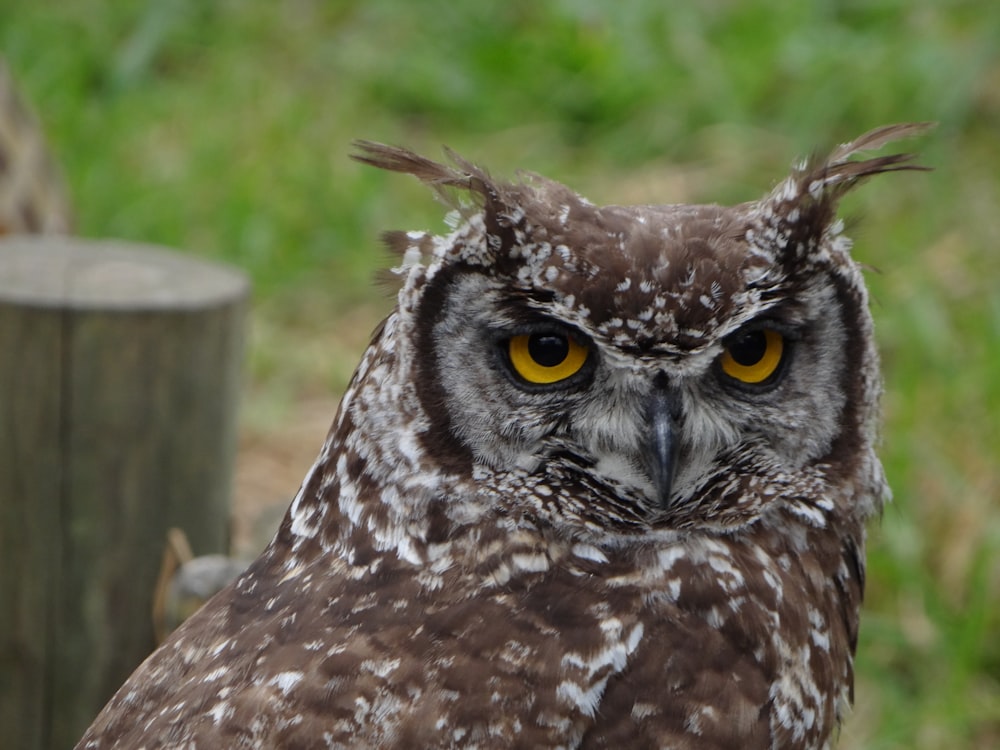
(474, 561)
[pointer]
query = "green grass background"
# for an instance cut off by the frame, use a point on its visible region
(222, 127)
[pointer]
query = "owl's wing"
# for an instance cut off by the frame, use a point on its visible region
(369, 655)
(742, 647)
(690, 685)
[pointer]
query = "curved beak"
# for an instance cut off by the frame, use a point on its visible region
(660, 454)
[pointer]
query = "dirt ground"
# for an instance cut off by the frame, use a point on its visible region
(270, 465)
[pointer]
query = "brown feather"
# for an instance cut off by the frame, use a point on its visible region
(878, 137)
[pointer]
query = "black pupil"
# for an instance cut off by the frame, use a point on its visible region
(749, 348)
(548, 349)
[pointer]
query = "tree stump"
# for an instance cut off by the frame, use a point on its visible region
(119, 378)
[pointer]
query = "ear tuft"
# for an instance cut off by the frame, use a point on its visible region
(836, 174)
(493, 198)
(803, 207)
(439, 176)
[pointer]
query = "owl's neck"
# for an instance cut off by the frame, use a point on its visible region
(373, 487)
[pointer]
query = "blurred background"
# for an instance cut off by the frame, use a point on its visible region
(222, 128)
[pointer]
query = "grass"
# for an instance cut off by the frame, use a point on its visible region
(222, 128)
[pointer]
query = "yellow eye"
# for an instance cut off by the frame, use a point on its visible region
(544, 358)
(754, 356)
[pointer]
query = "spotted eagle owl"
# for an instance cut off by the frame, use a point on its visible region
(600, 480)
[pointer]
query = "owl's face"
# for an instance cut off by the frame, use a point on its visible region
(661, 366)
(656, 346)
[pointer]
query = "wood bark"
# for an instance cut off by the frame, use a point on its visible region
(119, 379)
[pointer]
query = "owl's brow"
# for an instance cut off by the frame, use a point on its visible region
(529, 302)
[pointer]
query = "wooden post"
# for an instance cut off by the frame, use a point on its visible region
(119, 376)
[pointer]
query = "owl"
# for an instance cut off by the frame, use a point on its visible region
(600, 480)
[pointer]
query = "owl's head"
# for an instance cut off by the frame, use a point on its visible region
(678, 366)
